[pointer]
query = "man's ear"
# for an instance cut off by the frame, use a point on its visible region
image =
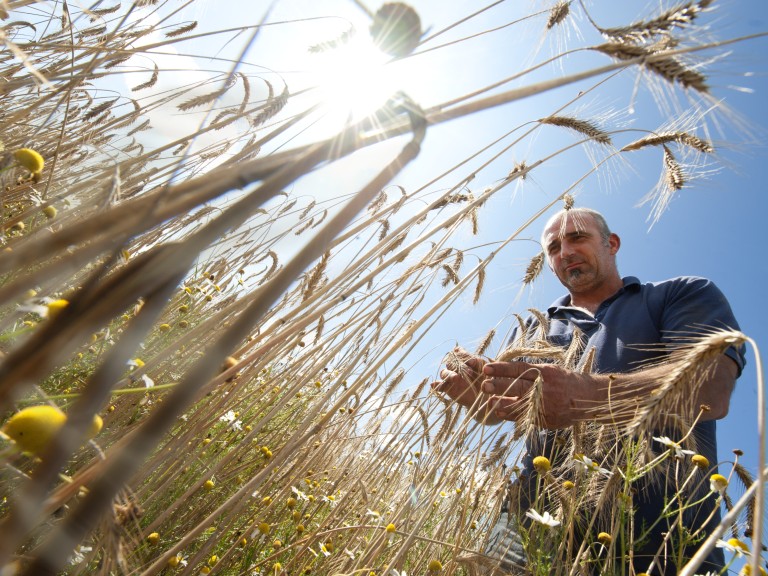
(614, 242)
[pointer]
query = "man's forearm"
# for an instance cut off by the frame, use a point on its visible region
(618, 392)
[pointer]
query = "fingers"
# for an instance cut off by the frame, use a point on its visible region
(471, 361)
(508, 408)
(455, 387)
(509, 379)
(511, 370)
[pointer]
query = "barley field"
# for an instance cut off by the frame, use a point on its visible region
(240, 238)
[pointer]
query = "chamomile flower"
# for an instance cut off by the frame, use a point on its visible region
(79, 554)
(29, 159)
(734, 545)
(747, 571)
(53, 307)
(586, 464)
(700, 461)
(718, 483)
(177, 560)
(542, 464)
(673, 446)
(604, 538)
(299, 494)
(546, 519)
(231, 419)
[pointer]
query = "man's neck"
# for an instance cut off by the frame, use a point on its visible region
(592, 299)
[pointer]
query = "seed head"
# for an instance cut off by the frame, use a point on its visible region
(50, 212)
(391, 528)
(435, 566)
(153, 538)
(209, 484)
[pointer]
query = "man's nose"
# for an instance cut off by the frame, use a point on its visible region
(566, 250)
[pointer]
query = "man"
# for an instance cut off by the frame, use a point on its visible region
(626, 328)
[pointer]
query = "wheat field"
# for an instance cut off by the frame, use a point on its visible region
(238, 252)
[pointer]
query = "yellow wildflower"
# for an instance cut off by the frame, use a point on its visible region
(542, 464)
(700, 461)
(718, 483)
(604, 538)
(29, 159)
(33, 428)
(56, 306)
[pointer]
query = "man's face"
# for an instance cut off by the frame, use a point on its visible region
(578, 255)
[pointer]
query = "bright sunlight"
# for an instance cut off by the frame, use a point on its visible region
(353, 79)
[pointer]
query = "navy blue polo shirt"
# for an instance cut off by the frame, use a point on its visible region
(667, 312)
(639, 324)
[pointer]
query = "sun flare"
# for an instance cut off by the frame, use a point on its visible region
(355, 79)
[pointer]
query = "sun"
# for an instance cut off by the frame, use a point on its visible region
(355, 79)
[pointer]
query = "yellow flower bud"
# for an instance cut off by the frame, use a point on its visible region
(542, 464)
(604, 538)
(700, 461)
(29, 159)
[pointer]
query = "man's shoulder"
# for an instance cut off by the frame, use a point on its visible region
(678, 283)
(684, 280)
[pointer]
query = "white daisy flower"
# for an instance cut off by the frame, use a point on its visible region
(547, 519)
(674, 446)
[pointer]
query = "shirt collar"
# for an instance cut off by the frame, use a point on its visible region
(631, 284)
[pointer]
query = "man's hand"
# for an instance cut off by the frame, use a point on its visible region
(566, 396)
(461, 381)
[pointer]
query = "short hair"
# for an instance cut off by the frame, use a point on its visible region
(599, 219)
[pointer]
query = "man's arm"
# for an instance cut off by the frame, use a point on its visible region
(569, 397)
